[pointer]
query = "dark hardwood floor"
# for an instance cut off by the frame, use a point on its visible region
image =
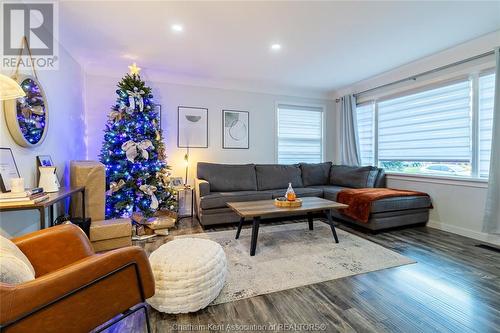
(454, 287)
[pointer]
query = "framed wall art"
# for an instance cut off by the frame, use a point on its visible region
(8, 169)
(236, 129)
(44, 160)
(192, 127)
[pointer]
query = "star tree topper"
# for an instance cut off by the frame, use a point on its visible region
(134, 70)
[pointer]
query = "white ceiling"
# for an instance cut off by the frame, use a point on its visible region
(325, 45)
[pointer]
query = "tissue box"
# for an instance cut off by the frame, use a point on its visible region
(92, 175)
(110, 234)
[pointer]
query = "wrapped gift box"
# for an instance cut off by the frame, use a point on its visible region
(92, 175)
(110, 234)
(159, 224)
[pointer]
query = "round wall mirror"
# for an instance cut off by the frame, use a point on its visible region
(27, 117)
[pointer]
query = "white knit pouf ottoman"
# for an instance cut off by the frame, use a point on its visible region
(189, 274)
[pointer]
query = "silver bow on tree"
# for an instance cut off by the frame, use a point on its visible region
(132, 149)
(149, 190)
(114, 186)
(132, 95)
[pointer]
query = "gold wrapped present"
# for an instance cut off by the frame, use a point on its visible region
(92, 175)
(110, 234)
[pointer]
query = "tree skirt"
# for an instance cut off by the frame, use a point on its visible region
(290, 256)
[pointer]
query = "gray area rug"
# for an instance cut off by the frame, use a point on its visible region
(290, 256)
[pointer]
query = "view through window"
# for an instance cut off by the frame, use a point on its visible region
(431, 131)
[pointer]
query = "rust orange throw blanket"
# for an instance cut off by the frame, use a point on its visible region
(360, 200)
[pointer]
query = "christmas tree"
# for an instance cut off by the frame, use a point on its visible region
(137, 176)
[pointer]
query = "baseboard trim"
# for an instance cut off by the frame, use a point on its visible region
(481, 236)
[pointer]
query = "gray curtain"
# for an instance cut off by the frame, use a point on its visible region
(491, 222)
(349, 144)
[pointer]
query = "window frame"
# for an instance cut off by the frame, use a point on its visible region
(321, 108)
(473, 78)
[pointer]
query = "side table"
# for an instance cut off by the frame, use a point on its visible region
(185, 189)
(64, 192)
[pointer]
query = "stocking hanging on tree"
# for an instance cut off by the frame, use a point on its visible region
(137, 176)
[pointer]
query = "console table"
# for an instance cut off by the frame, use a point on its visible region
(54, 197)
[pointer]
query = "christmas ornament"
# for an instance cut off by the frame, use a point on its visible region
(115, 115)
(164, 176)
(114, 186)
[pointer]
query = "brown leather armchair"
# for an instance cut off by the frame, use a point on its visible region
(75, 290)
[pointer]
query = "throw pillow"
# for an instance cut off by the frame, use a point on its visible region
(315, 173)
(356, 177)
(15, 267)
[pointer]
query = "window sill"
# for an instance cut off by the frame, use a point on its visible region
(456, 181)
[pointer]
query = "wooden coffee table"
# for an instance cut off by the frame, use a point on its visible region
(266, 209)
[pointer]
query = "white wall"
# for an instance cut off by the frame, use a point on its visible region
(100, 96)
(458, 206)
(64, 141)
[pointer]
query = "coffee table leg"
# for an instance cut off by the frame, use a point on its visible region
(330, 222)
(310, 220)
(239, 227)
(255, 234)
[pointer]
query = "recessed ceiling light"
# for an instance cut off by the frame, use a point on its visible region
(130, 56)
(275, 47)
(177, 28)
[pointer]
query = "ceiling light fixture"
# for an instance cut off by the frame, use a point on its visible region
(275, 47)
(177, 28)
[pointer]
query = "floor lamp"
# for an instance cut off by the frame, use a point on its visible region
(186, 163)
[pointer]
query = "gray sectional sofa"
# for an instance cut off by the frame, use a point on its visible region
(217, 184)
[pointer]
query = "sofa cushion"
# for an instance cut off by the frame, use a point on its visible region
(350, 176)
(15, 267)
(228, 177)
(400, 203)
(379, 221)
(315, 173)
(276, 176)
(330, 191)
(300, 192)
(219, 199)
(381, 180)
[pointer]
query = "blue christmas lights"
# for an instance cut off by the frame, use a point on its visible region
(135, 122)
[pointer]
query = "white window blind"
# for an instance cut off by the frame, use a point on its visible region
(486, 98)
(433, 125)
(365, 116)
(300, 134)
